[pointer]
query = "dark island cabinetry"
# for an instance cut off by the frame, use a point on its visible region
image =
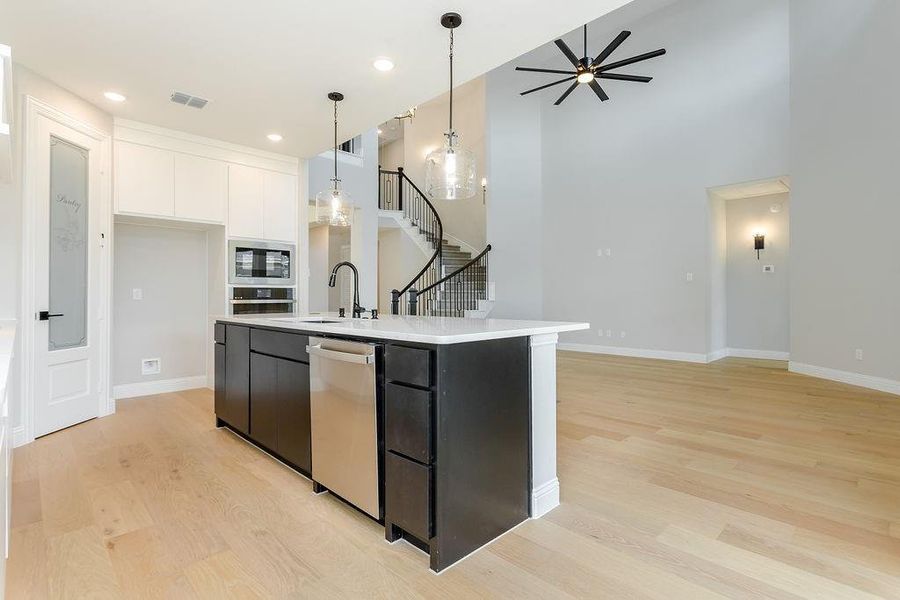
(453, 435)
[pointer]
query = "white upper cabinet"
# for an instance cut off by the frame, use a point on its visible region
(262, 204)
(279, 207)
(144, 180)
(201, 188)
(245, 202)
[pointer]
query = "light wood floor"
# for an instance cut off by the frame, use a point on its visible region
(735, 480)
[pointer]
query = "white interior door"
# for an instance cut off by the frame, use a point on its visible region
(66, 177)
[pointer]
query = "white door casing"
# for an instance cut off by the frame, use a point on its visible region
(65, 369)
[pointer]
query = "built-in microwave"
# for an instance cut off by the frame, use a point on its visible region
(260, 263)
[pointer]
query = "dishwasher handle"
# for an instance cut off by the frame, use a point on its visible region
(360, 359)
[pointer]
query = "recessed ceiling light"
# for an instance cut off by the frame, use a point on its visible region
(383, 63)
(114, 96)
(380, 131)
(274, 137)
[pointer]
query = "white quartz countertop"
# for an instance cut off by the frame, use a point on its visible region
(427, 330)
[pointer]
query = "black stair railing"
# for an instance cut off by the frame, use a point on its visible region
(453, 295)
(397, 192)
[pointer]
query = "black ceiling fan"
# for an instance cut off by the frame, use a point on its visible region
(589, 71)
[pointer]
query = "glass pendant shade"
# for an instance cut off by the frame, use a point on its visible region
(450, 171)
(334, 207)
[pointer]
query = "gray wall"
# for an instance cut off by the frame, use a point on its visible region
(361, 181)
(845, 285)
(758, 307)
(170, 323)
(631, 175)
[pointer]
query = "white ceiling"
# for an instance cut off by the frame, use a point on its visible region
(267, 66)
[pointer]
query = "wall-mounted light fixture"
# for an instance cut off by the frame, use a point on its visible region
(484, 190)
(759, 242)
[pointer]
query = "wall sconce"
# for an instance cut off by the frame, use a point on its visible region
(759, 242)
(484, 190)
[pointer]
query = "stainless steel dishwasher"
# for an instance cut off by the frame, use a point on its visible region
(344, 420)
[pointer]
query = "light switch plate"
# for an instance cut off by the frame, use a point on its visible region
(137, 294)
(768, 268)
(150, 366)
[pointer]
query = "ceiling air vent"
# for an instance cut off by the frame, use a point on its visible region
(188, 100)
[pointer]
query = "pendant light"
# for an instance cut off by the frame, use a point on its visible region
(334, 206)
(450, 170)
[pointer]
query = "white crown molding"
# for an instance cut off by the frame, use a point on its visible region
(880, 384)
(159, 137)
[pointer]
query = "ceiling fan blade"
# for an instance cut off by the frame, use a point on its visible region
(546, 85)
(635, 78)
(531, 70)
(632, 60)
(611, 48)
(598, 90)
(566, 93)
(568, 52)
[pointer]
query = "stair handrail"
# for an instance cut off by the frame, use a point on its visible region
(467, 295)
(410, 210)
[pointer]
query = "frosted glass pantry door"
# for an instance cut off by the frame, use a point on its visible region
(65, 169)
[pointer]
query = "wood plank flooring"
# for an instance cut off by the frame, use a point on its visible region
(731, 480)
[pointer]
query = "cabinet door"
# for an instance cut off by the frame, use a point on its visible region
(201, 188)
(235, 408)
(245, 202)
(219, 366)
(280, 207)
(145, 180)
(264, 399)
(293, 413)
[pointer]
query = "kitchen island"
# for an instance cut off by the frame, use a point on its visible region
(457, 444)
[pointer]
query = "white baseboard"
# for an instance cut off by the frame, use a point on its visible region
(160, 386)
(717, 355)
(748, 353)
(544, 498)
(871, 382)
(18, 436)
(636, 352)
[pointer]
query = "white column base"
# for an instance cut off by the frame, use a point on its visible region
(544, 484)
(544, 499)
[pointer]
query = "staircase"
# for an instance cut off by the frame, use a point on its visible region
(452, 283)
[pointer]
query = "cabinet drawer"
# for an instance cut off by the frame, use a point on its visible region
(407, 421)
(283, 345)
(408, 365)
(219, 333)
(407, 488)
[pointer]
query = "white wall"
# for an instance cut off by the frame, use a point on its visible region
(399, 260)
(631, 174)
(359, 177)
(170, 267)
(391, 155)
(845, 146)
(318, 268)
(758, 312)
(514, 198)
(463, 218)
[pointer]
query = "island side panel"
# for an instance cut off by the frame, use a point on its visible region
(544, 484)
(482, 445)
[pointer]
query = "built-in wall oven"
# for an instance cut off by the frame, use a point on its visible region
(253, 263)
(262, 300)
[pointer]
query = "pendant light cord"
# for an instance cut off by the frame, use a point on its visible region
(335, 144)
(451, 82)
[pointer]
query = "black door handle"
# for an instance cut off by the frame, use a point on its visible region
(46, 315)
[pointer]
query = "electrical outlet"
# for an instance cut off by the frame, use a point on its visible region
(609, 252)
(689, 277)
(150, 366)
(600, 252)
(609, 333)
(137, 294)
(859, 354)
(768, 268)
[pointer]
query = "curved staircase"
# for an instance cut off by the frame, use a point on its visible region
(452, 282)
